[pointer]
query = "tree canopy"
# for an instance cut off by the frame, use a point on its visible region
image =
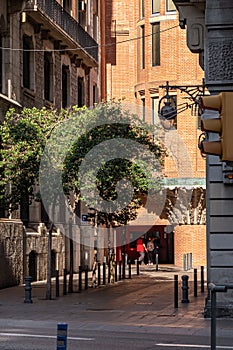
(107, 156)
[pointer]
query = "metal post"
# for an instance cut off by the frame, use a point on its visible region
(109, 270)
(57, 283)
(195, 283)
(80, 279)
(138, 271)
(28, 289)
(119, 270)
(213, 319)
(123, 269)
(185, 289)
(175, 291)
(116, 272)
(99, 274)
(104, 273)
(214, 289)
(86, 277)
(61, 336)
(202, 279)
(129, 269)
(157, 262)
(64, 282)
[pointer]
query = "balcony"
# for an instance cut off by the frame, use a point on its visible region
(63, 28)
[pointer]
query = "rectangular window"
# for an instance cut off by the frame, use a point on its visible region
(80, 92)
(170, 6)
(154, 107)
(142, 11)
(143, 109)
(156, 44)
(143, 47)
(95, 94)
(48, 76)
(155, 6)
(67, 5)
(27, 61)
(65, 86)
(82, 13)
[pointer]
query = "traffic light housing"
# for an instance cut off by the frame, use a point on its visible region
(223, 125)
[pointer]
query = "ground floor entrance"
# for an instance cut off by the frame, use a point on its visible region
(156, 232)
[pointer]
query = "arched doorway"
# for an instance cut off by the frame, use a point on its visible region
(32, 265)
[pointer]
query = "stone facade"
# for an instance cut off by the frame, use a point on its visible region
(48, 57)
(12, 242)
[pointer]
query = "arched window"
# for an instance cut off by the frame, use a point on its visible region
(28, 62)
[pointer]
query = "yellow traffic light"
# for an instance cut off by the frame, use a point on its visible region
(223, 125)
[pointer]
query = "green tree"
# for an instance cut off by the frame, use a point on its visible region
(24, 137)
(108, 122)
(67, 141)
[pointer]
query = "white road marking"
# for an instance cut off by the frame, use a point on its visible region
(193, 346)
(41, 336)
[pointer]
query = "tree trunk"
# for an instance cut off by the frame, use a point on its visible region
(48, 286)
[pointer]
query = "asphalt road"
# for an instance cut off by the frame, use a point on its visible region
(131, 314)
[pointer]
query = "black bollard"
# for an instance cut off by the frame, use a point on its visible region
(86, 277)
(156, 262)
(129, 265)
(116, 272)
(175, 291)
(119, 270)
(195, 283)
(202, 279)
(64, 282)
(138, 264)
(57, 284)
(28, 290)
(185, 289)
(104, 273)
(123, 269)
(80, 279)
(99, 274)
(109, 271)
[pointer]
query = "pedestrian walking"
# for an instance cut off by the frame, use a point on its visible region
(141, 247)
(150, 250)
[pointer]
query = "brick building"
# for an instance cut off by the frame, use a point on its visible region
(143, 47)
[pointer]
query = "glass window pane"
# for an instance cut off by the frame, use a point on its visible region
(155, 6)
(170, 6)
(143, 47)
(156, 44)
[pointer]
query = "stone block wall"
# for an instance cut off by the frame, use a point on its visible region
(11, 252)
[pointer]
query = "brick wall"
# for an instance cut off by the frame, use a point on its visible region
(126, 78)
(190, 239)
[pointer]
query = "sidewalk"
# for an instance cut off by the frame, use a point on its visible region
(144, 302)
(14, 296)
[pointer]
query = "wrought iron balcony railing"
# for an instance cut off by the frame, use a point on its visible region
(58, 15)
